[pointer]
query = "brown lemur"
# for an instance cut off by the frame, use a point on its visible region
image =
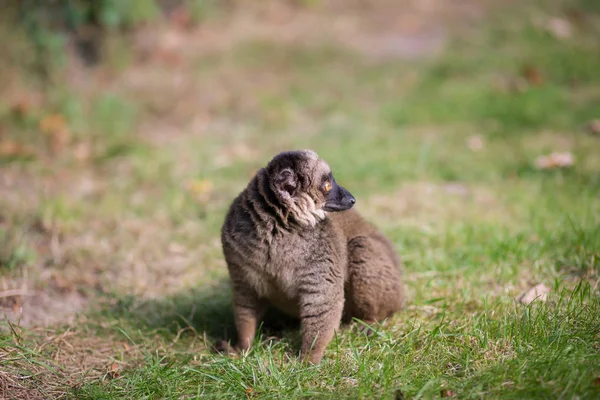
(291, 240)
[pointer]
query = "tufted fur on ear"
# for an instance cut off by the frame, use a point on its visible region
(286, 184)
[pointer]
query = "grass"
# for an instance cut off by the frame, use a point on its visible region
(13, 254)
(125, 213)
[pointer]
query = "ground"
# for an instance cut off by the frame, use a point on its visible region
(114, 181)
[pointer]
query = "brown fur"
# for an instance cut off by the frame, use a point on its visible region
(283, 249)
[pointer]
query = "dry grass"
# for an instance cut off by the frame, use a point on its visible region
(50, 363)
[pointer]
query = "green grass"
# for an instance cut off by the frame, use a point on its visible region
(13, 253)
(492, 348)
(133, 226)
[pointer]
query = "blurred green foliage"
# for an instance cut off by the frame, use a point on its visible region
(13, 253)
(49, 24)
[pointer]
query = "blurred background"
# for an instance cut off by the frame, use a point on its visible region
(127, 127)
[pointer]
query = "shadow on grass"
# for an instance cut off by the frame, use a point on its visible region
(204, 310)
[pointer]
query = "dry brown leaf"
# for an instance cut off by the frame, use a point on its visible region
(61, 283)
(18, 303)
(533, 75)
(200, 189)
(169, 58)
(181, 18)
(20, 108)
(538, 292)
(576, 17)
(55, 127)
(9, 148)
(113, 370)
(52, 123)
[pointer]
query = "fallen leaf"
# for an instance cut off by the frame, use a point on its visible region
(169, 58)
(52, 123)
(113, 371)
(18, 304)
(446, 393)
(576, 17)
(61, 283)
(533, 75)
(248, 391)
(20, 108)
(559, 27)
(555, 160)
(538, 292)
(181, 18)
(55, 127)
(201, 189)
(475, 143)
(8, 148)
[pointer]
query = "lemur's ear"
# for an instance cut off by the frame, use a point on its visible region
(286, 183)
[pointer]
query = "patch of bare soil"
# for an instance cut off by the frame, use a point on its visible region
(41, 307)
(45, 287)
(379, 29)
(71, 261)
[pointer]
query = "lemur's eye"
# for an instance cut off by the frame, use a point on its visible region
(327, 186)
